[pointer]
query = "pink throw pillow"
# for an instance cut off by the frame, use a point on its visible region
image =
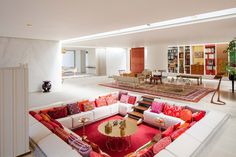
(157, 107)
(124, 99)
(162, 144)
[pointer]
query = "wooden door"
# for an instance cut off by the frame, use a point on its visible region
(222, 58)
(137, 60)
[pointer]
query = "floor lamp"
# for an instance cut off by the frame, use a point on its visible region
(219, 102)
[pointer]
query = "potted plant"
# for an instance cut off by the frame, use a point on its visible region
(231, 67)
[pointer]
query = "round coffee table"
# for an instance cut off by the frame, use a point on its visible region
(117, 139)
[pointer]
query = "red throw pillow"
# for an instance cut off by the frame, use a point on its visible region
(177, 133)
(45, 117)
(131, 100)
(38, 117)
(54, 124)
(105, 96)
(168, 131)
(32, 113)
(198, 115)
(62, 134)
(81, 104)
(58, 123)
(100, 102)
(172, 110)
(186, 115)
(177, 125)
(48, 125)
(162, 144)
(58, 112)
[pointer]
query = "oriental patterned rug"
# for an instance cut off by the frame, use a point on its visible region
(192, 93)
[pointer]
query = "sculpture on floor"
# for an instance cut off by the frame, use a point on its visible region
(219, 102)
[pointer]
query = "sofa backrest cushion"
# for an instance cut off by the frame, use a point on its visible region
(73, 108)
(122, 93)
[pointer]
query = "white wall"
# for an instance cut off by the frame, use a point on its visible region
(101, 61)
(43, 59)
(116, 59)
(156, 57)
(68, 59)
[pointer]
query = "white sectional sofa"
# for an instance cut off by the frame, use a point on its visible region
(186, 145)
(195, 138)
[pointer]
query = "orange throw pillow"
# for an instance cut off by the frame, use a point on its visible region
(186, 115)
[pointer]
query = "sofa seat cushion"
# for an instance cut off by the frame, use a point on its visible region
(53, 146)
(184, 146)
(213, 119)
(100, 112)
(66, 121)
(125, 108)
(76, 117)
(72, 153)
(114, 108)
(38, 131)
(149, 117)
(164, 153)
(199, 131)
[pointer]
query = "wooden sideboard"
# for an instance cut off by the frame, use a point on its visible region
(197, 69)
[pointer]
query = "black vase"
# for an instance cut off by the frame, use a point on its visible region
(46, 86)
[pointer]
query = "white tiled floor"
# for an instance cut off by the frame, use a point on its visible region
(223, 143)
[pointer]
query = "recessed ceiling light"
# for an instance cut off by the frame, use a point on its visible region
(29, 25)
(200, 18)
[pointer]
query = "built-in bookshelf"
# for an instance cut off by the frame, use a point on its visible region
(203, 59)
(187, 60)
(210, 60)
(173, 59)
(181, 59)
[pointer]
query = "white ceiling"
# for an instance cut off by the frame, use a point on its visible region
(65, 19)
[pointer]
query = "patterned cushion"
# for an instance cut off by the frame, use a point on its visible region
(73, 108)
(88, 106)
(58, 112)
(105, 96)
(177, 133)
(111, 100)
(162, 144)
(147, 152)
(157, 107)
(168, 131)
(62, 134)
(172, 110)
(186, 115)
(122, 93)
(131, 100)
(80, 104)
(100, 102)
(198, 115)
(124, 99)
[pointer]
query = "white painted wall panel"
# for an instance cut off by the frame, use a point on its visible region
(43, 58)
